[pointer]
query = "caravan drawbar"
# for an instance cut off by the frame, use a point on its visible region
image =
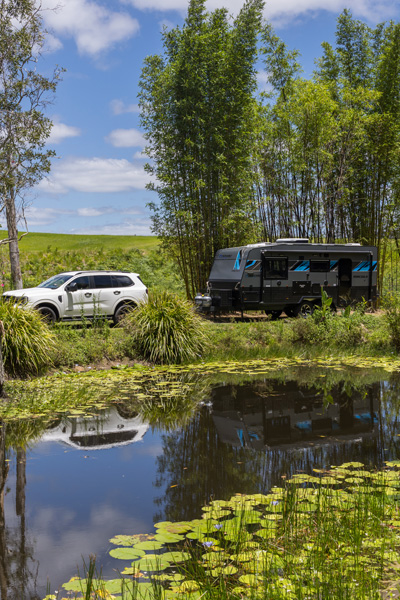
(288, 275)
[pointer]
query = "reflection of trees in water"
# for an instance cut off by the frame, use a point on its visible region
(196, 465)
(201, 467)
(17, 565)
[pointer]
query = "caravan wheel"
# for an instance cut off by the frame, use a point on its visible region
(305, 309)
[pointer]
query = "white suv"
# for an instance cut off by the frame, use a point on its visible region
(80, 294)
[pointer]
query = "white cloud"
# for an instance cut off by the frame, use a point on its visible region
(126, 138)
(94, 175)
(94, 27)
(60, 131)
(285, 10)
(134, 227)
(44, 216)
(140, 156)
(90, 211)
(119, 107)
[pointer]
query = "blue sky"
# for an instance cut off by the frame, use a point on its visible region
(97, 182)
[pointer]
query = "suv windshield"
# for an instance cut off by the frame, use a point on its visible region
(54, 282)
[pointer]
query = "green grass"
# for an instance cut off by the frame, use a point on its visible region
(40, 242)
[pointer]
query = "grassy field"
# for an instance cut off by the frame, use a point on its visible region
(41, 242)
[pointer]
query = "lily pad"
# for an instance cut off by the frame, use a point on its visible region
(127, 553)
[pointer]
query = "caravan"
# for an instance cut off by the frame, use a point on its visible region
(289, 275)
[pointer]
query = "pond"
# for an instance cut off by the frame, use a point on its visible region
(76, 482)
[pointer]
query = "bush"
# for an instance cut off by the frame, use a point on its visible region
(392, 305)
(27, 343)
(166, 329)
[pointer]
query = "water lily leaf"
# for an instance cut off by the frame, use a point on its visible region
(172, 577)
(127, 553)
(266, 534)
(150, 545)
(168, 538)
(75, 584)
(130, 540)
(116, 586)
(250, 580)
(229, 570)
(151, 564)
(176, 556)
(189, 586)
(250, 516)
(180, 527)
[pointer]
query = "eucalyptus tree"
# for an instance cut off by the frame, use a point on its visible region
(24, 129)
(199, 114)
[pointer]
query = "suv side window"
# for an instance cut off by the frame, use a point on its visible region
(102, 281)
(82, 283)
(122, 281)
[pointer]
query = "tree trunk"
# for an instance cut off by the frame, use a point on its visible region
(11, 216)
(2, 372)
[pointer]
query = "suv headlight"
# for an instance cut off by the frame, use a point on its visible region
(23, 300)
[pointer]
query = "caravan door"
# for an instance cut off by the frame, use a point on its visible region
(345, 273)
(274, 279)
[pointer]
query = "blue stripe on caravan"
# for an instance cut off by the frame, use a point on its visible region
(333, 264)
(364, 266)
(250, 263)
(237, 262)
(303, 266)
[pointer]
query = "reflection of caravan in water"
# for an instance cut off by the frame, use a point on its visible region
(288, 275)
(112, 428)
(286, 415)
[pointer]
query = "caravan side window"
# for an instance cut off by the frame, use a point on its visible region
(275, 268)
(320, 266)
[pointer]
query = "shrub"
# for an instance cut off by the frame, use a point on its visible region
(166, 329)
(392, 305)
(27, 343)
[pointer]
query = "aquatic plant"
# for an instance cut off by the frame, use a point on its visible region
(27, 343)
(166, 329)
(333, 534)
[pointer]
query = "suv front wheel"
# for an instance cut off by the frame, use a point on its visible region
(48, 314)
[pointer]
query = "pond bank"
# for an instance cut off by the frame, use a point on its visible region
(360, 334)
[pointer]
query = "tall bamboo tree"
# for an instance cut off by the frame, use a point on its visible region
(198, 111)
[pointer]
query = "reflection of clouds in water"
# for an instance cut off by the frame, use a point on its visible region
(150, 450)
(59, 546)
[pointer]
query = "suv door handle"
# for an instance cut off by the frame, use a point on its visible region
(87, 295)
(116, 293)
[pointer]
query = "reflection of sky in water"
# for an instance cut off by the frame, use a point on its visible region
(77, 499)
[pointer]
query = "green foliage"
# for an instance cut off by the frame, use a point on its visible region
(392, 306)
(199, 113)
(27, 344)
(166, 329)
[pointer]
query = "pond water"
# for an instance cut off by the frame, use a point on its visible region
(83, 480)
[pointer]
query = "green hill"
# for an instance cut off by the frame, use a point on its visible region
(40, 242)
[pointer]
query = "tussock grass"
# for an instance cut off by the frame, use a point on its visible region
(166, 329)
(28, 343)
